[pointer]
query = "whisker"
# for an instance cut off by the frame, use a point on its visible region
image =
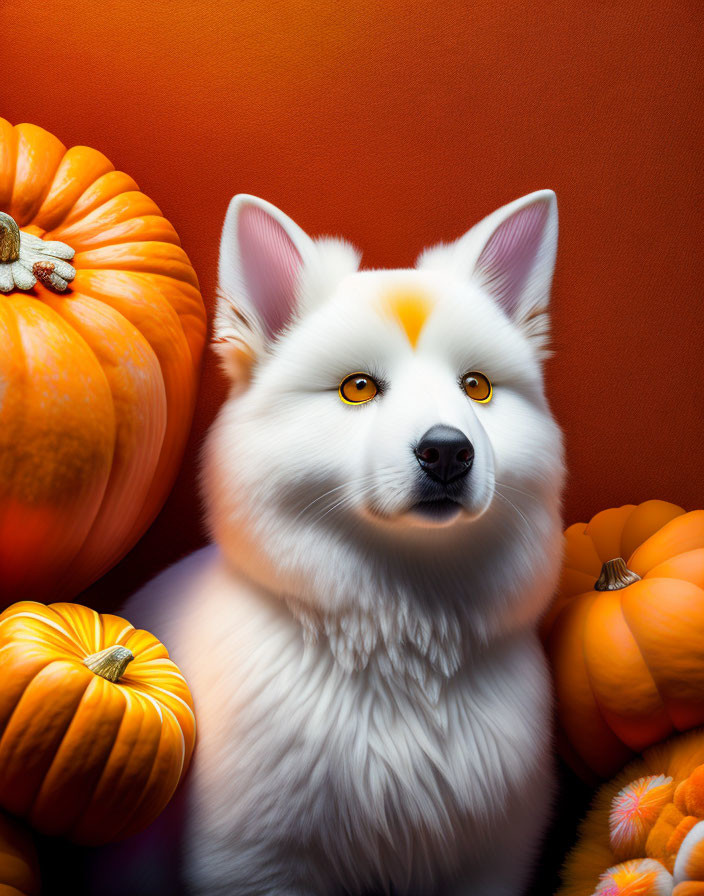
(336, 488)
(345, 499)
(356, 495)
(390, 476)
(511, 504)
(373, 478)
(320, 497)
(514, 489)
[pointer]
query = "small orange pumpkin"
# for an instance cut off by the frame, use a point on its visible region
(96, 722)
(644, 835)
(19, 866)
(101, 333)
(625, 634)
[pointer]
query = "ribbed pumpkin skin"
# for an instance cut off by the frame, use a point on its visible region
(19, 867)
(80, 756)
(97, 384)
(628, 664)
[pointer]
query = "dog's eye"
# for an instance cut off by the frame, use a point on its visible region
(357, 388)
(477, 386)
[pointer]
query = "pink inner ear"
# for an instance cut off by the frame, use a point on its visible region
(270, 264)
(507, 259)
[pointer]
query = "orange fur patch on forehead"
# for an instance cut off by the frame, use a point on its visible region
(411, 307)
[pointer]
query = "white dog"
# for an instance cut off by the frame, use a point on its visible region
(383, 490)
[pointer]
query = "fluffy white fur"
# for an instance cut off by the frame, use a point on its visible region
(373, 705)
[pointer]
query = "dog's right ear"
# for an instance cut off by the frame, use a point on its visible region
(262, 256)
(511, 255)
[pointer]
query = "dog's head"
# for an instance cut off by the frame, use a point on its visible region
(380, 411)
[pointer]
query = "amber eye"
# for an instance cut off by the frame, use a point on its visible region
(357, 388)
(477, 386)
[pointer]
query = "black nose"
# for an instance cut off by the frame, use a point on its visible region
(445, 453)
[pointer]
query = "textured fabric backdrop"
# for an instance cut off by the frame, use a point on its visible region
(397, 125)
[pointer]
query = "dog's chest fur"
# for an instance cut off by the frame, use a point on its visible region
(388, 774)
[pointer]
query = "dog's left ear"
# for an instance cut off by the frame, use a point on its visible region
(262, 255)
(270, 271)
(511, 254)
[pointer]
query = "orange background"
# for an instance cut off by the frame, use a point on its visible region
(399, 124)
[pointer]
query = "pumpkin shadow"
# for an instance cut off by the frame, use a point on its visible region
(148, 864)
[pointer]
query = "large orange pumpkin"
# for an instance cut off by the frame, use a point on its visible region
(96, 722)
(19, 867)
(625, 635)
(97, 373)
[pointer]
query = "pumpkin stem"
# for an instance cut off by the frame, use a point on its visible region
(615, 575)
(110, 663)
(9, 238)
(26, 258)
